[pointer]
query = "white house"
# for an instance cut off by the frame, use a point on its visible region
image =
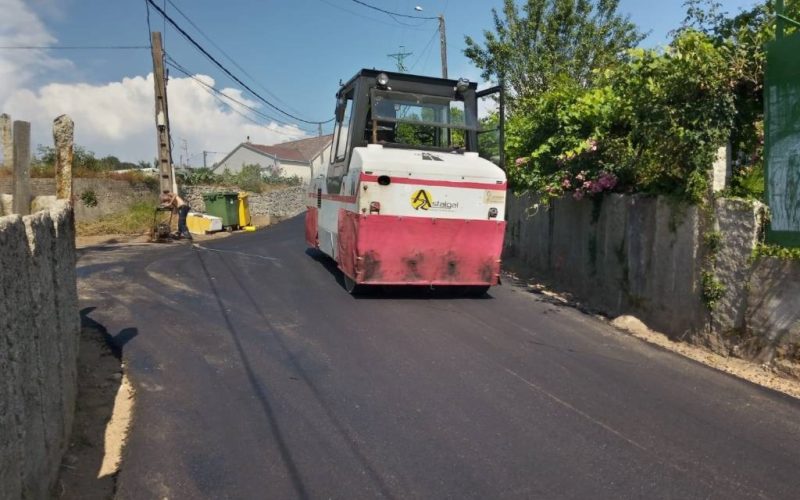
(301, 158)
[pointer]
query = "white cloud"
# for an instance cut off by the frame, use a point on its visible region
(116, 117)
(19, 26)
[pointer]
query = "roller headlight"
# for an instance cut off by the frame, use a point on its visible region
(383, 79)
(462, 85)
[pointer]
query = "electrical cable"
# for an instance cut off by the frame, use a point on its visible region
(218, 94)
(227, 71)
(392, 14)
(375, 20)
(424, 51)
(251, 119)
(149, 29)
(75, 47)
(195, 26)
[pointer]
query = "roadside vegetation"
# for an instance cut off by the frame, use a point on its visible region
(250, 178)
(590, 113)
(136, 220)
(87, 165)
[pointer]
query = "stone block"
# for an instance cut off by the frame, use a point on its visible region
(40, 267)
(13, 248)
(774, 308)
(66, 299)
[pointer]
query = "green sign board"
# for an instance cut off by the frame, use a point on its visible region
(782, 139)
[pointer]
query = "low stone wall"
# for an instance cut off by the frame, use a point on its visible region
(646, 256)
(627, 255)
(112, 196)
(773, 314)
(282, 203)
(40, 328)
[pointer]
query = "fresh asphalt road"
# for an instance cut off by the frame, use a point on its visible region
(258, 376)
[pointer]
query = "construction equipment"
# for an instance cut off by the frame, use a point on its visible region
(162, 225)
(406, 199)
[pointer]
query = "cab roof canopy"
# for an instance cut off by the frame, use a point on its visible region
(405, 82)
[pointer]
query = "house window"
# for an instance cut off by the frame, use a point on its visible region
(342, 134)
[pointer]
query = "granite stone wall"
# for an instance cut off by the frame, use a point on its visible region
(39, 329)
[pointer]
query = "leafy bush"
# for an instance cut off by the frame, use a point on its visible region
(89, 198)
(199, 176)
(249, 178)
(651, 125)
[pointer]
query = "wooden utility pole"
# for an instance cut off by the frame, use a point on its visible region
(165, 168)
(443, 45)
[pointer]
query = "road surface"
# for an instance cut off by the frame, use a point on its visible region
(258, 376)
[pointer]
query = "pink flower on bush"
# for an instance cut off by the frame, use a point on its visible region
(581, 176)
(606, 181)
(521, 161)
(566, 184)
(592, 145)
(578, 195)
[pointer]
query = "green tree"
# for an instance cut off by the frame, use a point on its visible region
(744, 36)
(547, 41)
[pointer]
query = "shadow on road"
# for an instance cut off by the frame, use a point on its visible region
(394, 292)
(99, 379)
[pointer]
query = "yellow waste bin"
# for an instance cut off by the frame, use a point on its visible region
(244, 210)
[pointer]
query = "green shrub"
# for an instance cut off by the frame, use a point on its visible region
(89, 198)
(652, 125)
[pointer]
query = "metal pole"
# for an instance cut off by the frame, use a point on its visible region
(205, 159)
(502, 124)
(162, 117)
(443, 45)
(779, 23)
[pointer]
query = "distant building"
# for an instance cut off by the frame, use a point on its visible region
(302, 158)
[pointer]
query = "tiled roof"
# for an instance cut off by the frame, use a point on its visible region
(302, 150)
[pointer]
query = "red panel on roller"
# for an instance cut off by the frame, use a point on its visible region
(312, 214)
(387, 249)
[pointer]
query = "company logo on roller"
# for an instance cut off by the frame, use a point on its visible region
(421, 200)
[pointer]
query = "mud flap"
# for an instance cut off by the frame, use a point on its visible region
(312, 235)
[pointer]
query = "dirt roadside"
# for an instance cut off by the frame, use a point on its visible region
(103, 411)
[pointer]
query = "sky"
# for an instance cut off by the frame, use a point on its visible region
(292, 52)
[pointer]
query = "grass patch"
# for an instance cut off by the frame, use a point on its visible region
(136, 220)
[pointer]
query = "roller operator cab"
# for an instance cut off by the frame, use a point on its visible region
(406, 199)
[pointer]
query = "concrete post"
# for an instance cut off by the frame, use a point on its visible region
(6, 141)
(721, 169)
(63, 130)
(22, 168)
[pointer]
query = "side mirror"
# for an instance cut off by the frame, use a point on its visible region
(341, 104)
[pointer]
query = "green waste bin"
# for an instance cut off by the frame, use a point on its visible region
(225, 206)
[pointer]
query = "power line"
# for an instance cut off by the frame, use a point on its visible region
(195, 26)
(227, 71)
(149, 30)
(392, 14)
(74, 47)
(424, 51)
(218, 94)
(373, 19)
(172, 63)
